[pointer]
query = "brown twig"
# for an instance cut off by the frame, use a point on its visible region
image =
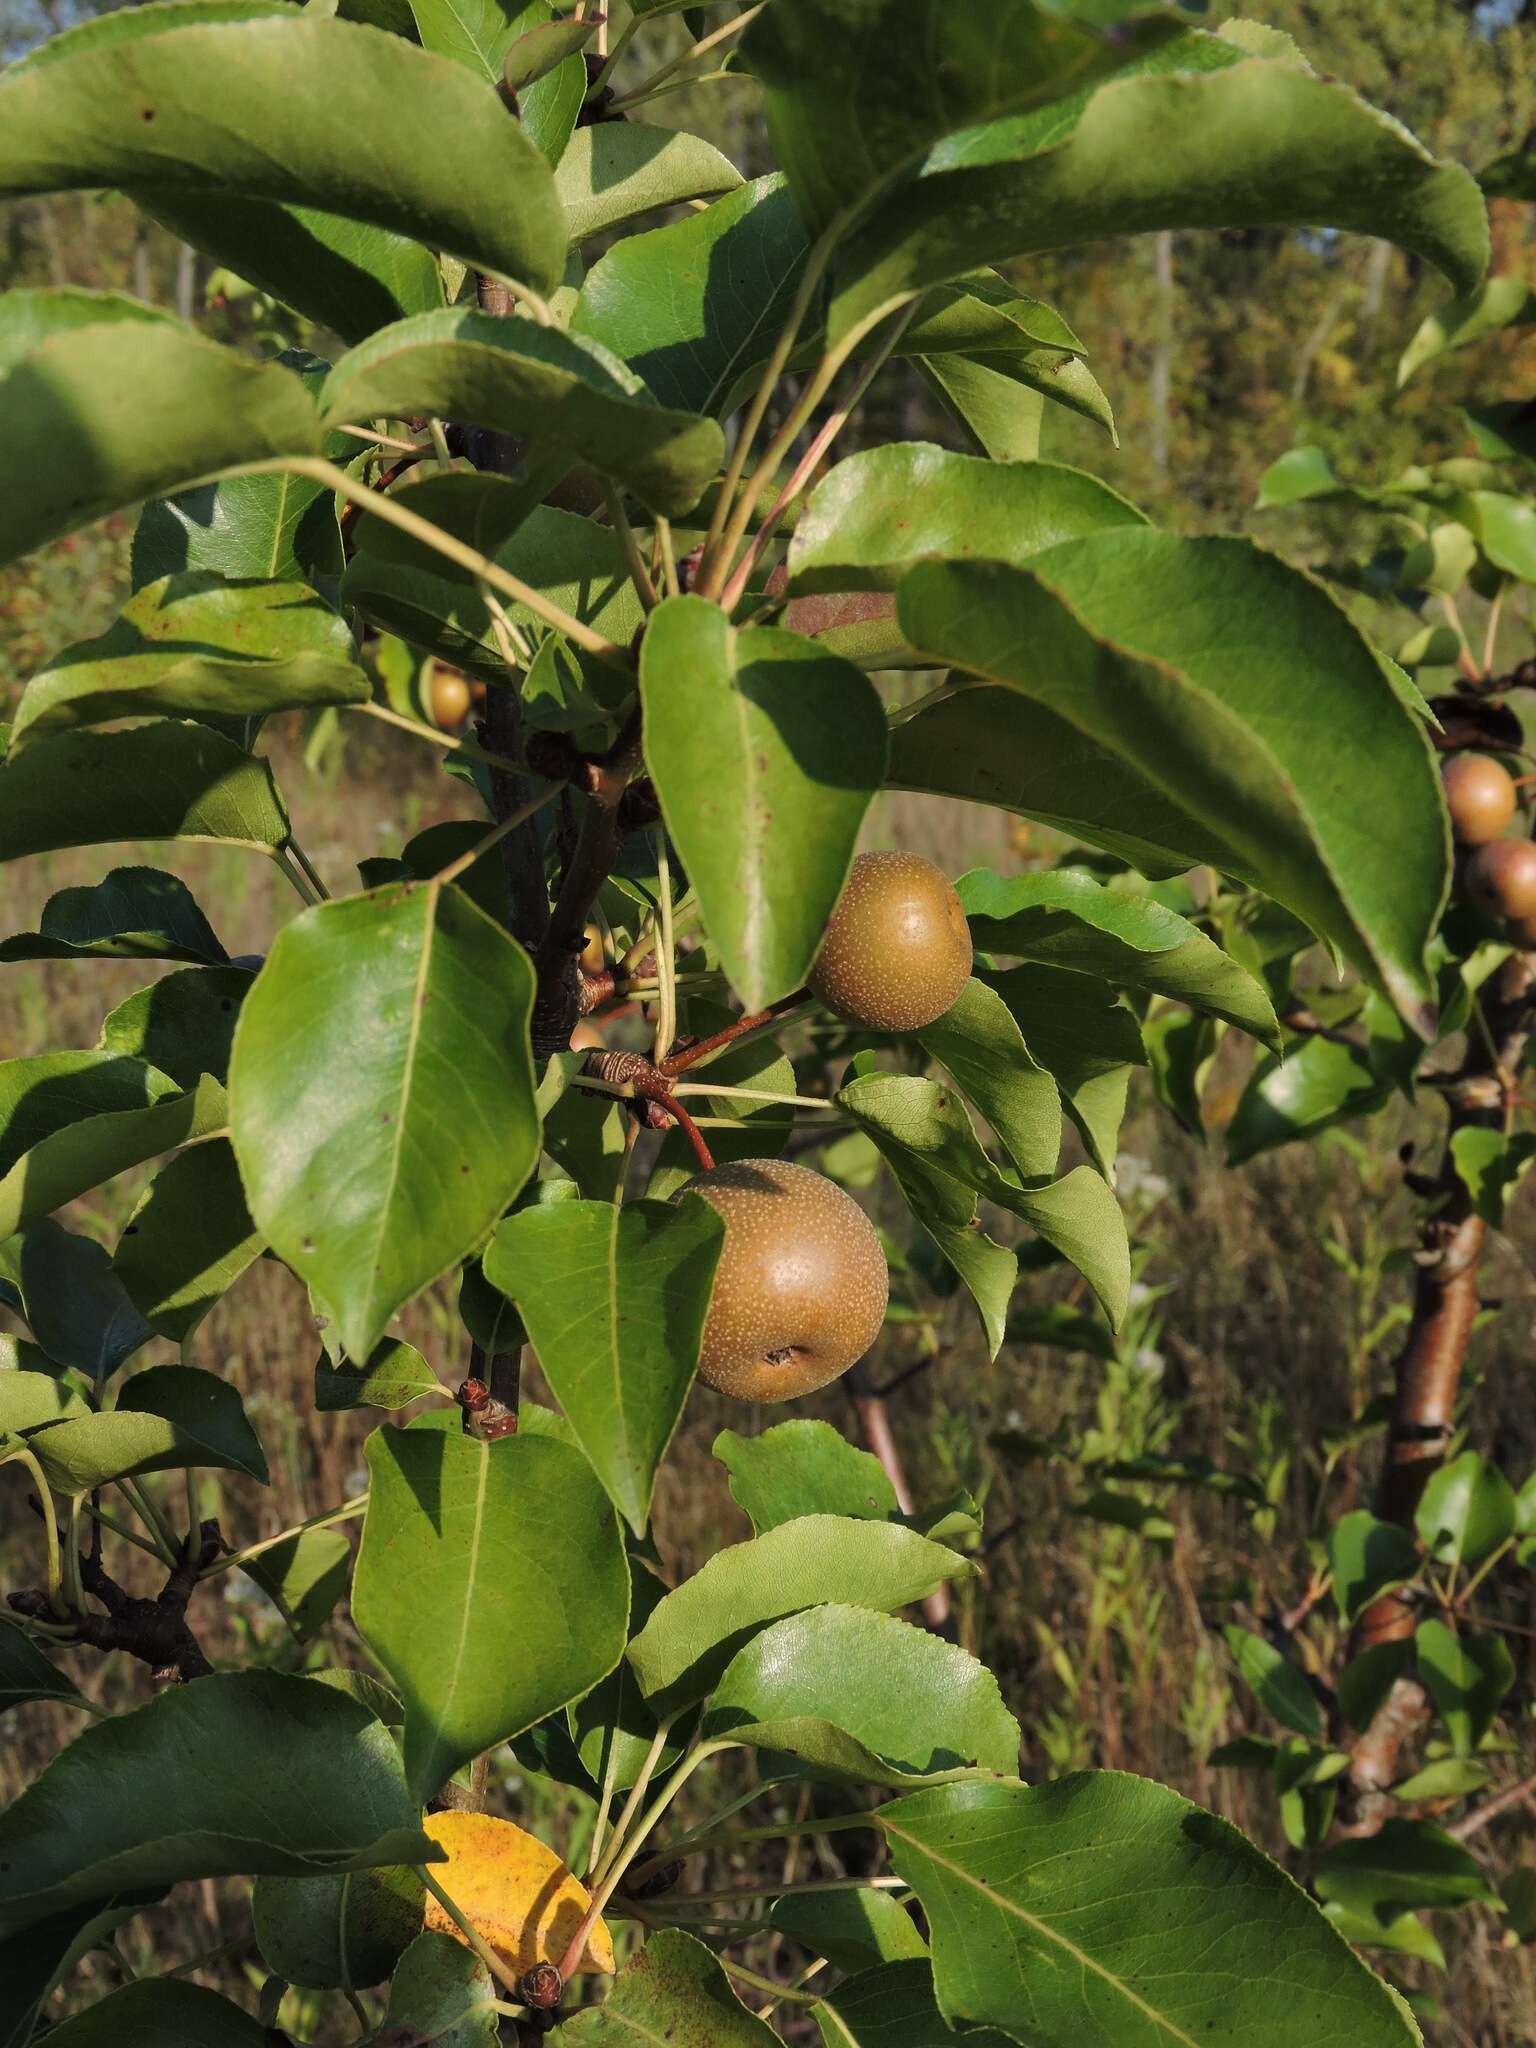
(875, 1422)
(153, 1630)
(634, 1073)
(1473, 1823)
(682, 1057)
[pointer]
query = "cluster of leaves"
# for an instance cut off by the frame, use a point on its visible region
(387, 1098)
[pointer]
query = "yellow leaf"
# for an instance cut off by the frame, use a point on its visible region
(516, 1894)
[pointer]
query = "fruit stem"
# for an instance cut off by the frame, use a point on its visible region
(682, 1058)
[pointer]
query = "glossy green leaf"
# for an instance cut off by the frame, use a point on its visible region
(979, 1044)
(162, 2012)
(1467, 1676)
(135, 914)
(927, 1140)
(26, 1674)
(1194, 663)
(1319, 1083)
(382, 1095)
(304, 1576)
(1085, 1038)
(1279, 1687)
(85, 1154)
(858, 1695)
(853, 1930)
(1184, 145)
(671, 1990)
(766, 753)
(562, 391)
(1367, 1557)
(170, 1417)
(148, 1799)
(193, 645)
(188, 1240)
(1498, 303)
(894, 2007)
(614, 1300)
(308, 114)
(880, 513)
(171, 779)
(182, 1024)
(688, 1642)
(76, 1305)
(1104, 1904)
(1067, 919)
(616, 169)
(696, 307)
(469, 1548)
(443, 1992)
(803, 1468)
(328, 1933)
(394, 1375)
(916, 70)
(197, 409)
(1467, 1512)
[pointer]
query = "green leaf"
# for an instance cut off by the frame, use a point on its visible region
(880, 513)
(71, 1161)
(162, 2012)
(1467, 1512)
(1276, 1684)
(395, 1375)
(441, 1991)
(927, 1140)
(480, 34)
(196, 645)
(1105, 1904)
(170, 779)
(197, 409)
(1489, 1166)
(183, 1024)
(308, 114)
(979, 1044)
(766, 752)
(1247, 144)
(1085, 1038)
(304, 1576)
(492, 1587)
(853, 1930)
(1114, 635)
(1498, 302)
(611, 1730)
(696, 307)
(1405, 1863)
(382, 1095)
(26, 1674)
(1318, 1084)
(1367, 1680)
(135, 914)
(327, 1933)
(76, 1305)
(690, 1639)
(562, 391)
(1002, 417)
(149, 1798)
(843, 1692)
(170, 1417)
(671, 1990)
(30, 1399)
(1367, 1557)
(1467, 1676)
(536, 51)
(188, 1240)
(29, 316)
(916, 70)
(1067, 919)
(614, 1300)
(616, 169)
(803, 1468)
(893, 2007)
(44, 1094)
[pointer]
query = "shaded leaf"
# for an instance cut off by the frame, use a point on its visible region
(1467, 1512)
(1405, 1863)
(1085, 1038)
(1467, 1676)
(442, 1991)
(183, 1024)
(169, 1417)
(978, 1042)
(304, 1576)
(1367, 1557)
(336, 1932)
(394, 1375)
(188, 1240)
(76, 1304)
(671, 1990)
(852, 1929)
(1279, 1687)
(135, 914)
(26, 1674)
(894, 2007)
(1319, 1083)
(162, 2012)
(614, 170)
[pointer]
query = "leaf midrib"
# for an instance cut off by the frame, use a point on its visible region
(467, 1579)
(1047, 1933)
(407, 1073)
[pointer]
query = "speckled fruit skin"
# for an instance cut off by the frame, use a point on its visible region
(1501, 878)
(897, 950)
(801, 1273)
(1481, 797)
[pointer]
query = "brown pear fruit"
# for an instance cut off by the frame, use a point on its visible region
(1481, 798)
(1501, 878)
(802, 1285)
(897, 949)
(450, 699)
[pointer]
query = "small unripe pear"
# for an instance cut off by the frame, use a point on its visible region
(802, 1285)
(897, 949)
(1481, 798)
(450, 699)
(1501, 878)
